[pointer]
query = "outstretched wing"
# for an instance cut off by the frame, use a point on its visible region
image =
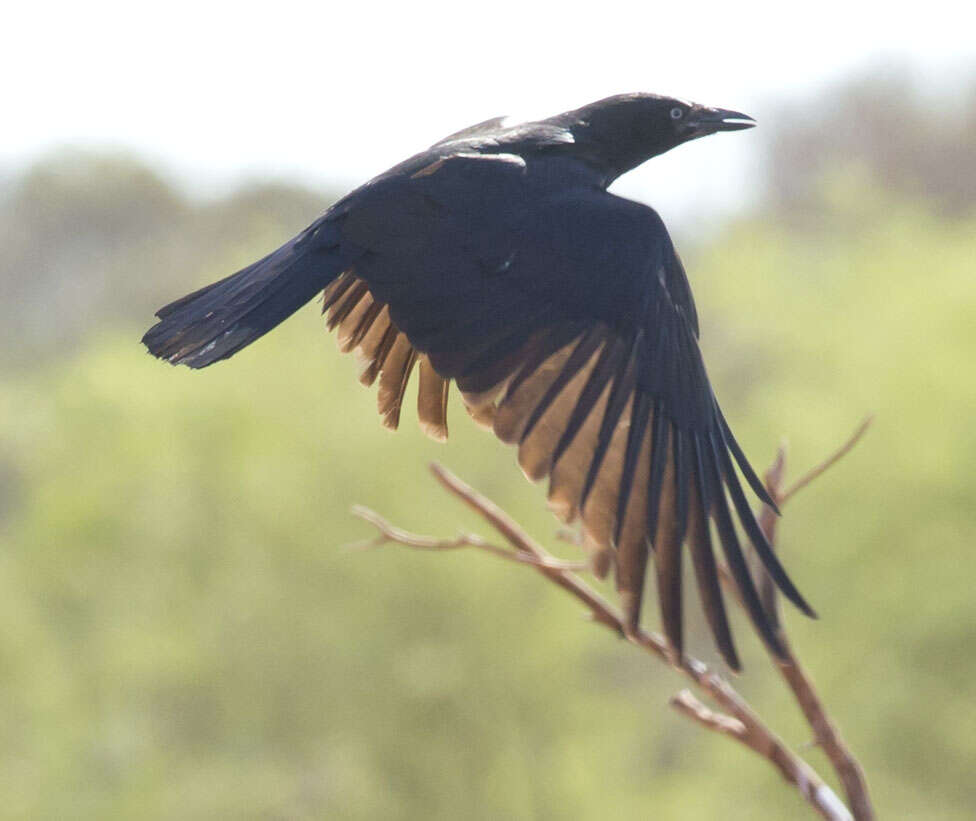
(566, 321)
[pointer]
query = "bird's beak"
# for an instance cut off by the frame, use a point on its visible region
(704, 121)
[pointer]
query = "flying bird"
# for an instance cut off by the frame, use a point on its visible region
(497, 260)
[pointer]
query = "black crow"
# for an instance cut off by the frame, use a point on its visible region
(497, 259)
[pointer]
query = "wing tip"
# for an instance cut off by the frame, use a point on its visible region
(731, 659)
(804, 607)
(434, 431)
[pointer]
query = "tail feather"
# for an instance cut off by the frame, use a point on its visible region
(218, 320)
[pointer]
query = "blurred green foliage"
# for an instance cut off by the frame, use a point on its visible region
(182, 634)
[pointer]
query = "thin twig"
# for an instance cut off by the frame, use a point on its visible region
(767, 522)
(826, 734)
(754, 733)
(828, 737)
(390, 533)
(813, 473)
(685, 702)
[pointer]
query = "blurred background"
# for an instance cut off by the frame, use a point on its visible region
(182, 634)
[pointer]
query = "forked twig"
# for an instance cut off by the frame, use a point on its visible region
(738, 721)
(390, 533)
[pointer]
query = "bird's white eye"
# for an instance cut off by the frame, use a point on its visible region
(677, 113)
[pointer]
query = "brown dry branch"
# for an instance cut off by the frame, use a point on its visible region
(738, 721)
(827, 736)
(827, 463)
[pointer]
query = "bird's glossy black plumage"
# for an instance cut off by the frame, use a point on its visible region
(497, 259)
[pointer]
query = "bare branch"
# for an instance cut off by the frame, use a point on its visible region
(600, 609)
(767, 523)
(826, 734)
(391, 533)
(839, 454)
(686, 703)
(739, 721)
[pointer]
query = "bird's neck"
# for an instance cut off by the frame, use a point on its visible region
(608, 151)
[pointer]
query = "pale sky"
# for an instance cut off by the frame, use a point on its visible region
(330, 93)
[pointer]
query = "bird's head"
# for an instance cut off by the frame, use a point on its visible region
(623, 131)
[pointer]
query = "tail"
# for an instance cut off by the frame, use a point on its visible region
(217, 321)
